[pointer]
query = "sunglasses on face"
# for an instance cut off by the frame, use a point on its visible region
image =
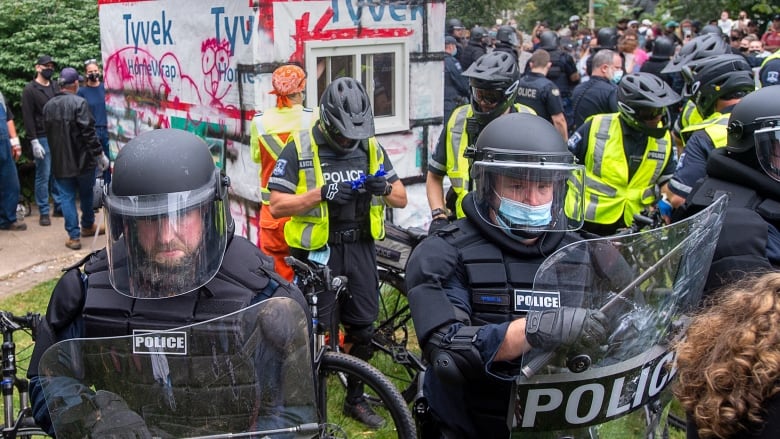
(645, 114)
(489, 97)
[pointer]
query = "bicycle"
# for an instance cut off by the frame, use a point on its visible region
(21, 424)
(335, 368)
(397, 353)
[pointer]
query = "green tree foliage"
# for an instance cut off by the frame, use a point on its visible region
(68, 30)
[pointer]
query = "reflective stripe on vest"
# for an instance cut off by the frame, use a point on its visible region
(690, 115)
(273, 144)
(309, 231)
(775, 55)
(716, 127)
(608, 192)
(458, 166)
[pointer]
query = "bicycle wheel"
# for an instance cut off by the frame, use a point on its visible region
(333, 370)
(396, 351)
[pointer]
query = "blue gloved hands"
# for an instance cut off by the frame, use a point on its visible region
(37, 149)
(338, 193)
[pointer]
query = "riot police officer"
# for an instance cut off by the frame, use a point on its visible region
(563, 71)
(476, 47)
(541, 94)
(506, 41)
(172, 259)
(460, 280)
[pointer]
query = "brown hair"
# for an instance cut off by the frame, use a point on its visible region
(540, 58)
(729, 362)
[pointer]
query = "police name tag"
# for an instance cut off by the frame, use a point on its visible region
(170, 343)
(525, 300)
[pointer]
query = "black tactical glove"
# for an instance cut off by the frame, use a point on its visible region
(378, 185)
(337, 193)
(103, 415)
(566, 326)
(436, 224)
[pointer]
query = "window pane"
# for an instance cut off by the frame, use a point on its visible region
(381, 86)
(332, 67)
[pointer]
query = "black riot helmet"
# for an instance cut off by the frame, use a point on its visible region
(643, 97)
(494, 78)
(549, 40)
(607, 38)
(717, 77)
(452, 25)
(346, 116)
(521, 181)
(755, 123)
(703, 46)
(478, 34)
(507, 34)
(167, 214)
(663, 47)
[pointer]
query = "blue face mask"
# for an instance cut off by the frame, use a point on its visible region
(617, 76)
(455, 53)
(517, 213)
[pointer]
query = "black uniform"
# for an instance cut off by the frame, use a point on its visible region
(470, 53)
(352, 251)
(596, 96)
(541, 94)
(89, 307)
(506, 47)
(456, 86)
(753, 211)
(454, 279)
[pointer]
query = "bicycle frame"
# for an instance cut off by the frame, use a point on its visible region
(13, 422)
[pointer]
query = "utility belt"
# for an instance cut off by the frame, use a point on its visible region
(348, 236)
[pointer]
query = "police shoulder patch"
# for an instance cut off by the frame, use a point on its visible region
(555, 92)
(279, 168)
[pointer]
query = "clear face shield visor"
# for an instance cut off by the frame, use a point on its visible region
(529, 197)
(164, 245)
(768, 150)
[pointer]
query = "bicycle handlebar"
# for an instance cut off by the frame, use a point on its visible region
(11, 322)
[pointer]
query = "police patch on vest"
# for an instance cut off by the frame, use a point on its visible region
(656, 155)
(169, 343)
(527, 299)
(555, 92)
(279, 168)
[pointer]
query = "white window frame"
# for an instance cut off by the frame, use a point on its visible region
(357, 48)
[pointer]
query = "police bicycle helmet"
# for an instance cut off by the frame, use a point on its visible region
(168, 216)
(717, 77)
(643, 97)
(703, 46)
(346, 116)
(494, 78)
(755, 123)
(521, 181)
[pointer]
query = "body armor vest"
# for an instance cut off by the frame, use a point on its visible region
(501, 283)
(243, 279)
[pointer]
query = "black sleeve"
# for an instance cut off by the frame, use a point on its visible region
(28, 113)
(285, 174)
(86, 124)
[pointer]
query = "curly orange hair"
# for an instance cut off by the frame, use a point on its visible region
(729, 362)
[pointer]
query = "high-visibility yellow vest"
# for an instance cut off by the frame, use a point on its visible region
(774, 55)
(265, 132)
(608, 192)
(458, 166)
(716, 127)
(309, 230)
(690, 115)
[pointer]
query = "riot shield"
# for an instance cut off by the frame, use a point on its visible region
(245, 374)
(645, 283)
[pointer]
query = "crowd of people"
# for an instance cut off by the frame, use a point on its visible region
(65, 123)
